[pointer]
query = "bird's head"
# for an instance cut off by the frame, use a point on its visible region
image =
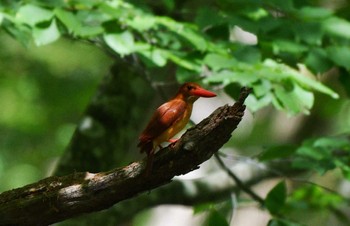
(192, 91)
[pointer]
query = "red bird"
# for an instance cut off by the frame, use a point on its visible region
(170, 118)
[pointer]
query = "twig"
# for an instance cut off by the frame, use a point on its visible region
(239, 183)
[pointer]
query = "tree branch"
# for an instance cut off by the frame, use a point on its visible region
(188, 192)
(57, 198)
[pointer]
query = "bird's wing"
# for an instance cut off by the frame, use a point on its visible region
(164, 117)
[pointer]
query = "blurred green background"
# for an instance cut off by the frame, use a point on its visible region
(43, 91)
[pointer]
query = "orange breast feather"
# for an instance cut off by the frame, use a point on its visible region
(167, 121)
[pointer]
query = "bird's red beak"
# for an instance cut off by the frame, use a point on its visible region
(200, 92)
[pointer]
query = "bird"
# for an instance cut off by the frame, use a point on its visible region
(169, 119)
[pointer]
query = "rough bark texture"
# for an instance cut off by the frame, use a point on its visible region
(188, 192)
(57, 198)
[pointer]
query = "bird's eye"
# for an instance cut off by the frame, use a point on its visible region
(190, 87)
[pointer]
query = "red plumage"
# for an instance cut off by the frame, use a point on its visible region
(170, 118)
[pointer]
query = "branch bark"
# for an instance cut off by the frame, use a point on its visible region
(57, 198)
(188, 192)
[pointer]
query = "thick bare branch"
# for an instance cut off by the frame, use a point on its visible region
(188, 192)
(57, 198)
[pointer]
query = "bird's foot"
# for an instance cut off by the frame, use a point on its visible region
(173, 141)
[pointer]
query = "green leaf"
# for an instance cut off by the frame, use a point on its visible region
(32, 14)
(276, 198)
(283, 222)
(315, 13)
(200, 208)
(310, 32)
(195, 38)
(345, 80)
(306, 98)
(157, 56)
(44, 36)
(69, 20)
(324, 154)
(227, 76)
(333, 142)
(248, 54)
(20, 32)
(294, 100)
(183, 62)
(142, 23)
(317, 60)
(122, 43)
(186, 31)
(336, 26)
(276, 152)
(216, 219)
(304, 81)
(315, 197)
(1, 17)
(254, 104)
(262, 88)
(340, 55)
(207, 17)
(89, 31)
(288, 46)
(217, 61)
(311, 152)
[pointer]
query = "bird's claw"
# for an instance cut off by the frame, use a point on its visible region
(174, 140)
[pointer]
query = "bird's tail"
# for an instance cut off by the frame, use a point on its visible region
(145, 146)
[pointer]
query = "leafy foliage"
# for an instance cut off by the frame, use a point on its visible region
(158, 40)
(324, 154)
(318, 154)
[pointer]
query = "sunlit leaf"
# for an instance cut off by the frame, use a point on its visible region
(254, 104)
(294, 100)
(69, 20)
(228, 76)
(142, 23)
(122, 43)
(186, 31)
(44, 36)
(337, 27)
(157, 56)
(32, 14)
(303, 80)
